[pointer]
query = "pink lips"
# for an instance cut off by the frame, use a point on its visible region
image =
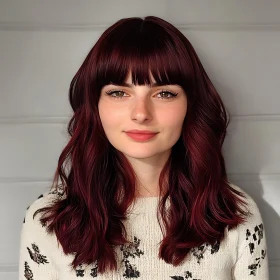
(141, 131)
(140, 135)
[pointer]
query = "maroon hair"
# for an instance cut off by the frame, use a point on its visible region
(100, 183)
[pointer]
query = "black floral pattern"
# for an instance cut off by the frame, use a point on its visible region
(59, 191)
(131, 250)
(36, 256)
(81, 271)
(198, 252)
(93, 271)
(253, 267)
(28, 274)
(188, 275)
(254, 237)
(43, 224)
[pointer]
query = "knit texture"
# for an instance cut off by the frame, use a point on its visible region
(241, 255)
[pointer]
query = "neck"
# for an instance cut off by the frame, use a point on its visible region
(147, 172)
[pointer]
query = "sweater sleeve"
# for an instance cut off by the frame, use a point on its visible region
(35, 260)
(252, 259)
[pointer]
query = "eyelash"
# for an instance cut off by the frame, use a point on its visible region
(110, 92)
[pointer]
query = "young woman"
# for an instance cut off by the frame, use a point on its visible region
(141, 189)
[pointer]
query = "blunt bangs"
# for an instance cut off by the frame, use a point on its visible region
(146, 50)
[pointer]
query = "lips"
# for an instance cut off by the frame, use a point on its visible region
(141, 135)
(136, 131)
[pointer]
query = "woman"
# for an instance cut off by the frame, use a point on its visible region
(149, 205)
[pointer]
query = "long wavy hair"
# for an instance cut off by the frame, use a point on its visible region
(98, 180)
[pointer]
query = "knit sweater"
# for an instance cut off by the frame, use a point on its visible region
(241, 255)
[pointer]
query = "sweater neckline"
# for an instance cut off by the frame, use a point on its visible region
(147, 205)
(147, 197)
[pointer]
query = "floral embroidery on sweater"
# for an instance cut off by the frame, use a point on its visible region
(253, 267)
(254, 238)
(28, 274)
(36, 256)
(81, 271)
(93, 271)
(199, 251)
(188, 275)
(59, 191)
(130, 251)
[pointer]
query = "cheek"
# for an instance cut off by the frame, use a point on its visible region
(174, 117)
(109, 115)
(175, 126)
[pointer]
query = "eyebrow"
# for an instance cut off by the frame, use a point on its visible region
(124, 84)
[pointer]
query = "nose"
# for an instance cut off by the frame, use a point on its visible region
(141, 110)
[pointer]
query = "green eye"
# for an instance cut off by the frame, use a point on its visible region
(111, 92)
(172, 95)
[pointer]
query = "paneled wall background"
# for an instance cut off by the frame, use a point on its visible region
(43, 43)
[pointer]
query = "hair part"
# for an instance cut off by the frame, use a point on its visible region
(100, 182)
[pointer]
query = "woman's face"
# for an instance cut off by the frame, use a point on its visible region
(142, 108)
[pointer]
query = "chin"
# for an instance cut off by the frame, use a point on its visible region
(139, 155)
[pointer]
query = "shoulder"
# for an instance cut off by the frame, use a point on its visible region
(249, 241)
(35, 234)
(39, 251)
(46, 199)
(254, 215)
(252, 230)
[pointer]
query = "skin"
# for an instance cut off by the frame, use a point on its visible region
(143, 108)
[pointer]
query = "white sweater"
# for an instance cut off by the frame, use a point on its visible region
(241, 255)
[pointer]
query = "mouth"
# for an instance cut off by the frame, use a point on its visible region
(141, 136)
(136, 131)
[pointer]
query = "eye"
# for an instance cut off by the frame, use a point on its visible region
(171, 94)
(111, 92)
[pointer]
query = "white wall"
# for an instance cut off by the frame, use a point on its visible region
(42, 44)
